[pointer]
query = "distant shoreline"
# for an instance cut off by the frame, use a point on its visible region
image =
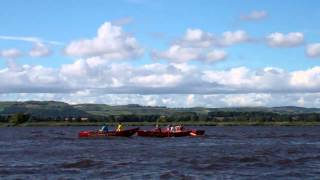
(234, 123)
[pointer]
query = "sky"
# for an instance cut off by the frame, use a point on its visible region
(210, 53)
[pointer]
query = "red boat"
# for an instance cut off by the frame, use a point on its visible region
(99, 134)
(157, 133)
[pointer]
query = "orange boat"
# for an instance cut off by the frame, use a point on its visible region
(100, 134)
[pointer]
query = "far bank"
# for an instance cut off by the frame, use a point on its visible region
(232, 123)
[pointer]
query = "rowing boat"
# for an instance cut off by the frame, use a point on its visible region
(99, 134)
(157, 133)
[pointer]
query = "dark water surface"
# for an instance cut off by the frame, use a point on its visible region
(225, 153)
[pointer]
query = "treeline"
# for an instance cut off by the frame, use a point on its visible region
(262, 116)
(215, 116)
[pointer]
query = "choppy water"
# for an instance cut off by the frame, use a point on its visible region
(225, 153)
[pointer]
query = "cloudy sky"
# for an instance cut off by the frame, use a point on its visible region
(179, 53)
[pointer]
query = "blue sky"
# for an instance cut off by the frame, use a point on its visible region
(282, 36)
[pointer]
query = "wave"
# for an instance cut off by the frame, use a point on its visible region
(85, 163)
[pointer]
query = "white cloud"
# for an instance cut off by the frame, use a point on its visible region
(179, 54)
(199, 45)
(10, 53)
(196, 38)
(201, 39)
(215, 55)
(292, 39)
(98, 76)
(40, 50)
(234, 37)
(29, 39)
(313, 50)
(163, 80)
(309, 78)
(79, 69)
(190, 100)
(94, 80)
(110, 43)
(254, 16)
(31, 79)
(246, 100)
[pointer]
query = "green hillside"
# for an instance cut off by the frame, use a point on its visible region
(60, 111)
(42, 109)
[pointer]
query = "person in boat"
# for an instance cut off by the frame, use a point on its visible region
(178, 128)
(171, 128)
(181, 127)
(104, 128)
(168, 127)
(158, 128)
(119, 127)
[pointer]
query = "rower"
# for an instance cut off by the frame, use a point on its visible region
(119, 127)
(158, 128)
(104, 128)
(177, 128)
(171, 128)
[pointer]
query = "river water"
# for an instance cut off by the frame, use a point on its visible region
(224, 153)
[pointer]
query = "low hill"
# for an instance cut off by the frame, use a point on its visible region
(42, 109)
(53, 110)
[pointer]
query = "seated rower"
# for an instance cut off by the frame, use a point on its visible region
(171, 128)
(158, 128)
(104, 128)
(178, 128)
(168, 127)
(119, 127)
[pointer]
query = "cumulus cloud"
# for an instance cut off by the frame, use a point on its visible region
(39, 50)
(110, 43)
(215, 55)
(159, 80)
(96, 75)
(199, 45)
(93, 79)
(10, 53)
(180, 54)
(201, 39)
(291, 39)
(31, 79)
(313, 50)
(308, 78)
(197, 38)
(230, 38)
(254, 16)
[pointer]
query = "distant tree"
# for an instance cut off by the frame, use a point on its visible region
(162, 119)
(19, 118)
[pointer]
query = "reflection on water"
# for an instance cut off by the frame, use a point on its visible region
(226, 152)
